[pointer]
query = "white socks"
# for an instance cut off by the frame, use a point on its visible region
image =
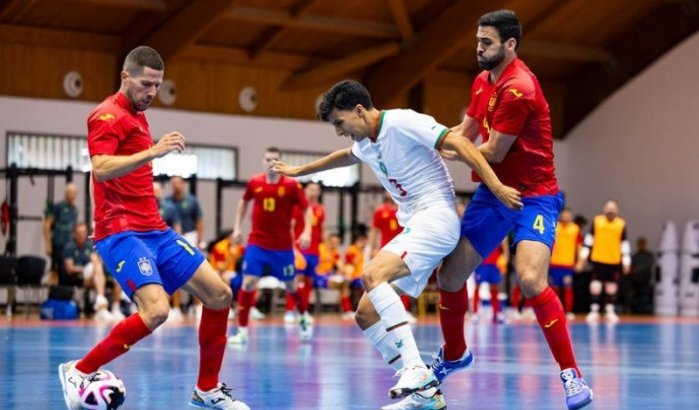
(393, 317)
(378, 337)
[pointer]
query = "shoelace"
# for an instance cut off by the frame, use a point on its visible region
(572, 387)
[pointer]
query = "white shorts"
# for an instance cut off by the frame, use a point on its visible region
(427, 238)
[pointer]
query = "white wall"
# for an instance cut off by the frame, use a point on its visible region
(641, 148)
(252, 135)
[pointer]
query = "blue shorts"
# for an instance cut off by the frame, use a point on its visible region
(487, 221)
(236, 283)
(321, 282)
(311, 265)
(489, 274)
(259, 261)
(558, 274)
(140, 258)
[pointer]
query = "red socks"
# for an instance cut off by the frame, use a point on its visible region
(476, 300)
(290, 302)
(568, 298)
(307, 290)
(346, 304)
(494, 301)
(125, 334)
(300, 299)
(212, 345)
(552, 320)
(452, 313)
(245, 301)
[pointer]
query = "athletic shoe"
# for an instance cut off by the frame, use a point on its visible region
(255, 314)
(431, 399)
(175, 315)
(290, 317)
(103, 315)
(578, 394)
(443, 368)
(117, 315)
(240, 338)
(413, 379)
(305, 327)
(71, 378)
(219, 398)
(592, 317)
(100, 303)
(570, 316)
(348, 315)
(610, 314)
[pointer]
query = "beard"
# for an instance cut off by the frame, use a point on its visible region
(138, 105)
(492, 62)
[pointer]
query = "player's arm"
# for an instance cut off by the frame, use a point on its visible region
(475, 160)
(106, 167)
(239, 216)
(372, 242)
(587, 244)
(70, 267)
(48, 222)
(338, 159)
(497, 146)
(625, 253)
(468, 129)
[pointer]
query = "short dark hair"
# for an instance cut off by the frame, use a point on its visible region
(344, 95)
(140, 57)
(505, 22)
(274, 150)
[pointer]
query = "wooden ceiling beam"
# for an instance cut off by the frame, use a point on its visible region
(58, 38)
(186, 26)
(13, 10)
(338, 68)
(562, 51)
(402, 19)
(273, 34)
(241, 57)
(154, 5)
(262, 16)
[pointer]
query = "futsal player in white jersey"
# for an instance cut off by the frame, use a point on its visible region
(401, 147)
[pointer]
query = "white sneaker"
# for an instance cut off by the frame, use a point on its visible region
(231, 314)
(196, 311)
(100, 303)
(305, 327)
(240, 338)
(290, 317)
(411, 319)
(570, 316)
(116, 313)
(175, 315)
(592, 317)
(413, 379)
(528, 314)
(430, 399)
(610, 314)
(474, 318)
(255, 314)
(218, 398)
(348, 315)
(71, 378)
(103, 315)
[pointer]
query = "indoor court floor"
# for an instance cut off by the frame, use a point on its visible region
(637, 364)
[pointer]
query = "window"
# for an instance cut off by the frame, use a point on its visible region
(58, 152)
(339, 177)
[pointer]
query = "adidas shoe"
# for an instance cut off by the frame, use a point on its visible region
(431, 399)
(71, 378)
(305, 327)
(289, 317)
(219, 398)
(240, 338)
(443, 368)
(578, 394)
(413, 379)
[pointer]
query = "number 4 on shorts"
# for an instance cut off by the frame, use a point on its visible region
(539, 224)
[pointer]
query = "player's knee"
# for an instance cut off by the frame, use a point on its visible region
(532, 281)
(611, 288)
(155, 314)
(220, 299)
(595, 287)
(365, 317)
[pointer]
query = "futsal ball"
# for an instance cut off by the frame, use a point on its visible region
(102, 391)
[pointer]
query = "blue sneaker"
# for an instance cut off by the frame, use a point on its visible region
(578, 394)
(443, 368)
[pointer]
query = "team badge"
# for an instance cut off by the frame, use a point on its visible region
(258, 189)
(491, 102)
(281, 191)
(145, 267)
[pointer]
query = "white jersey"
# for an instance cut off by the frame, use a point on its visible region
(406, 162)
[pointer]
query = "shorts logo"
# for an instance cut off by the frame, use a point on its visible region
(145, 267)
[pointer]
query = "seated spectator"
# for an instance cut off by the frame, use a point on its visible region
(83, 268)
(638, 284)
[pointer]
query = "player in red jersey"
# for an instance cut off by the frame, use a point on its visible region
(311, 253)
(270, 248)
(148, 259)
(384, 227)
(509, 112)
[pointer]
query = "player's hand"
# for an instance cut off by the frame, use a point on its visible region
(280, 167)
(510, 197)
(170, 142)
(449, 155)
(237, 237)
(579, 266)
(305, 240)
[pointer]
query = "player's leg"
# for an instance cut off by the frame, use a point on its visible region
(611, 289)
(254, 263)
(94, 278)
(568, 294)
(595, 293)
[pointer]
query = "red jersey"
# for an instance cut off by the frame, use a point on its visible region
(316, 228)
(125, 203)
(386, 222)
(515, 105)
(272, 211)
(492, 259)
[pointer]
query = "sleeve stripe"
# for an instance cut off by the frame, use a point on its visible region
(440, 138)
